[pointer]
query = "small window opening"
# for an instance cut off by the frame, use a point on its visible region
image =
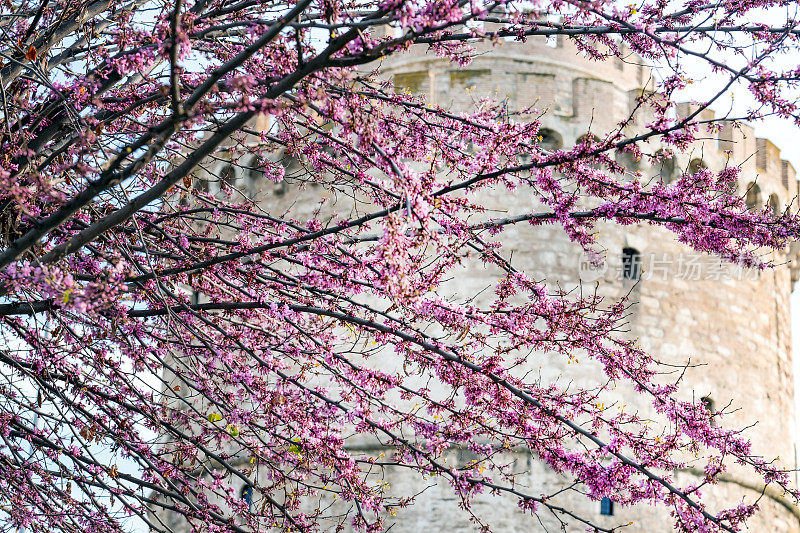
(631, 263)
(752, 197)
(247, 495)
(606, 507)
(696, 166)
(228, 175)
(550, 140)
(775, 204)
(201, 184)
(588, 138)
(708, 405)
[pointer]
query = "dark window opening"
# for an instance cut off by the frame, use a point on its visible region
(708, 405)
(752, 197)
(606, 507)
(590, 139)
(201, 184)
(589, 143)
(775, 204)
(228, 175)
(696, 166)
(631, 263)
(549, 140)
(247, 495)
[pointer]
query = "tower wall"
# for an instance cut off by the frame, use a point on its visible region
(732, 326)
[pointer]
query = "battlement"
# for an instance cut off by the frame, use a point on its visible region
(628, 70)
(572, 94)
(759, 159)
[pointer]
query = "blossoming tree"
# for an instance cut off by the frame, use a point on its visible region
(125, 393)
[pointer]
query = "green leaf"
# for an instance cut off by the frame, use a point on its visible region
(295, 448)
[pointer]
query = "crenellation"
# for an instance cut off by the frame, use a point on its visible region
(789, 182)
(768, 157)
(571, 91)
(589, 95)
(739, 141)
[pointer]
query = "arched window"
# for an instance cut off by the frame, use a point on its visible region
(201, 184)
(606, 507)
(628, 160)
(666, 167)
(708, 405)
(589, 138)
(549, 140)
(775, 204)
(696, 166)
(247, 495)
(228, 174)
(227, 177)
(631, 263)
(589, 143)
(254, 177)
(752, 197)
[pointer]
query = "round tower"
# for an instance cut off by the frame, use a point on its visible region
(726, 328)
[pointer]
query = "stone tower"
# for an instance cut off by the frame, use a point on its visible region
(731, 324)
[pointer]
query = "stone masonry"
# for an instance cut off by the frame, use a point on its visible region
(731, 324)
